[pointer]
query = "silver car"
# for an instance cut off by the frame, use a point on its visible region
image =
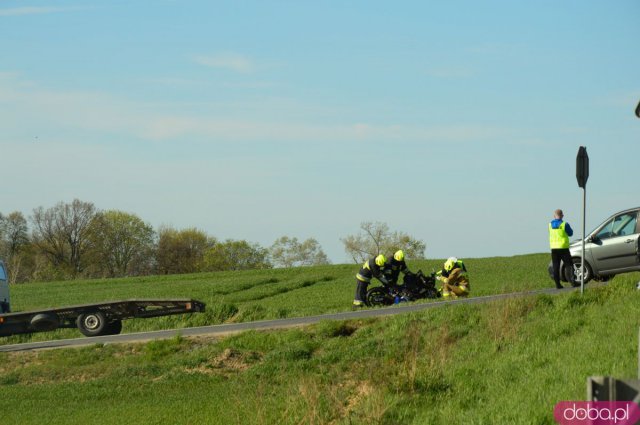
(612, 248)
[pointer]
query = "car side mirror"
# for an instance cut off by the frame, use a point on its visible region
(592, 239)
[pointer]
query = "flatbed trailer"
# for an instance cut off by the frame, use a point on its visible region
(91, 319)
(94, 319)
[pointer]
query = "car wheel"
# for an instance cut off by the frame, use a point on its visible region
(576, 270)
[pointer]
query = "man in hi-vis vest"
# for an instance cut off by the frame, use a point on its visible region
(559, 233)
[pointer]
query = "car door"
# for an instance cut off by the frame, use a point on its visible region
(615, 245)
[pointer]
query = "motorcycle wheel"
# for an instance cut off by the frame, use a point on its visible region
(433, 293)
(378, 296)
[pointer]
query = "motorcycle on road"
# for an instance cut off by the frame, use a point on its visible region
(415, 286)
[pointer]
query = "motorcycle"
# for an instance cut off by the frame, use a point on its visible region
(415, 286)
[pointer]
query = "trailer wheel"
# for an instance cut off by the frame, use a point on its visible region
(114, 328)
(92, 324)
(45, 322)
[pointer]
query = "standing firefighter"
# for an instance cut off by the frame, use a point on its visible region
(374, 267)
(559, 233)
(454, 278)
(396, 265)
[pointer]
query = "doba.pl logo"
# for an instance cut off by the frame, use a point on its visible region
(596, 413)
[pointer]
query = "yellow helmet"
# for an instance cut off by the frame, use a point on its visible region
(451, 261)
(399, 255)
(381, 260)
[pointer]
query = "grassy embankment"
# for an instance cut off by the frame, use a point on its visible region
(505, 362)
(257, 295)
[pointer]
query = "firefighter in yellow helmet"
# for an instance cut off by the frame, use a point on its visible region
(373, 267)
(396, 265)
(454, 278)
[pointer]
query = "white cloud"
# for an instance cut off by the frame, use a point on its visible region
(229, 61)
(174, 127)
(174, 81)
(185, 82)
(25, 105)
(497, 48)
(449, 72)
(30, 10)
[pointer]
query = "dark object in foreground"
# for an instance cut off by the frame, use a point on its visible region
(415, 287)
(607, 388)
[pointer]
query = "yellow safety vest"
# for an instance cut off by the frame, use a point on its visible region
(558, 238)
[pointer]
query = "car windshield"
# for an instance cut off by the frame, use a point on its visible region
(3, 275)
(620, 225)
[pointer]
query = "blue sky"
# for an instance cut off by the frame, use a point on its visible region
(457, 122)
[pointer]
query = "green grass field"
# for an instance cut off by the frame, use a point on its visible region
(257, 295)
(505, 362)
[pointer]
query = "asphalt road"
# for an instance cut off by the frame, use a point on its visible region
(231, 328)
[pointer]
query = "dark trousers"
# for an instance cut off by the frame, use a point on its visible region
(361, 290)
(556, 256)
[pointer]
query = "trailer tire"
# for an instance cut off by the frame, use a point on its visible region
(45, 322)
(114, 328)
(94, 323)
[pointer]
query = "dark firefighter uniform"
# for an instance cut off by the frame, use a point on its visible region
(395, 266)
(373, 267)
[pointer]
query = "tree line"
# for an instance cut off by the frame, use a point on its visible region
(77, 240)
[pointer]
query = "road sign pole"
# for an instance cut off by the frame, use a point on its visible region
(582, 175)
(584, 213)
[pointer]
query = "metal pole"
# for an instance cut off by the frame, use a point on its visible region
(584, 212)
(582, 174)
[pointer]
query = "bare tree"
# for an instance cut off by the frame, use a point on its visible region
(47, 237)
(13, 233)
(376, 238)
(14, 243)
(289, 252)
(236, 255)
(61, 233)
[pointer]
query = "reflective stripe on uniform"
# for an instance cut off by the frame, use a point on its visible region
(363, 278)
(364, 271)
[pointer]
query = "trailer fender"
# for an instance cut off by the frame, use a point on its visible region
(114, 328)
(45, 322)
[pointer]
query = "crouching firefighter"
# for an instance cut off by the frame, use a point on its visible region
(374, 267)
(454, 278)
